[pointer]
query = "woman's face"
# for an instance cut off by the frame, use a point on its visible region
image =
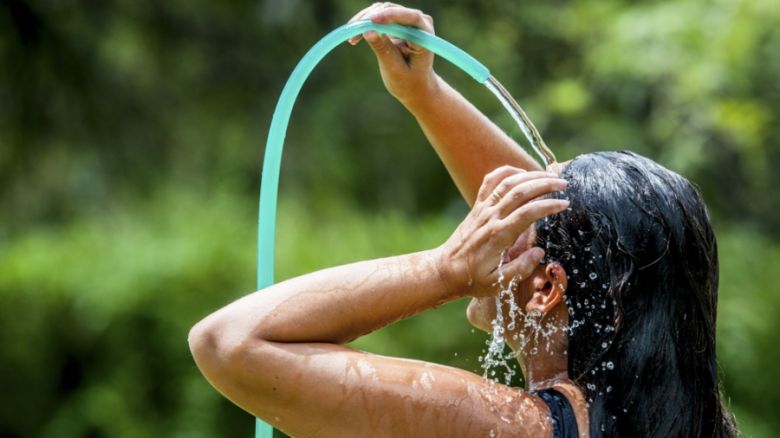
(482, 311)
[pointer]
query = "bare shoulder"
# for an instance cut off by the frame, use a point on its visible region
(342, 392)
(576, 398)
(463, 404)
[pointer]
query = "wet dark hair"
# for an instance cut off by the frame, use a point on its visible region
(640, 253)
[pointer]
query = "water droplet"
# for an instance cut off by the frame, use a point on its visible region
(609, 389)
(593, 276)
(603, 345)
(575, 271)
(610, 365)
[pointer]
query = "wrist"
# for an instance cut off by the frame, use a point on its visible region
(424, 96)
(454, 284)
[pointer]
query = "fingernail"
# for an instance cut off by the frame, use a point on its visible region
(371, 36)
(537, 253)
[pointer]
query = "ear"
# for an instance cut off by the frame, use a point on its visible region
(549, 288)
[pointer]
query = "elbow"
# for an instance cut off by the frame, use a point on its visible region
(201, 340)
(214, 346)
(238, 364)
(204, 345)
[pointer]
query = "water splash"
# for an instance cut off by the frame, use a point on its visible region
(508, 314)
(495, 359)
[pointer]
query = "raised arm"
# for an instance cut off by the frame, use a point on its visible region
(276, 352)
(468, 143)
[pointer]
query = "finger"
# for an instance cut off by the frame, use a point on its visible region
(410, 49)
(362, 16)
(527, 214)
(519, 246)
(492, 179)
(402, 15)
(527, 191)
(510, 182)
(384, 49)
(524, 265)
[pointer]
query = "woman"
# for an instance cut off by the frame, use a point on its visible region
(610, 260)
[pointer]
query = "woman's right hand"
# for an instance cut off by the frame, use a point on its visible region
(406, 68)
(507, 205)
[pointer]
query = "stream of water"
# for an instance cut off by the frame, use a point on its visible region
(522, 120)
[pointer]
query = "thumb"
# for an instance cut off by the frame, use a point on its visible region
(525, 264)
(384, 49)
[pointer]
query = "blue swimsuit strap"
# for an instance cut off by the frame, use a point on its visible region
(561, 414)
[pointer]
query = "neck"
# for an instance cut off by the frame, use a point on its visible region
(543, 356)
(544, 369)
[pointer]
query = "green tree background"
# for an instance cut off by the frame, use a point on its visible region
(131, 139)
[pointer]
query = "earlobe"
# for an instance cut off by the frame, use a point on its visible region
(549, 289)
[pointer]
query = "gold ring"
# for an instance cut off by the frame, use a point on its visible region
(495, 196)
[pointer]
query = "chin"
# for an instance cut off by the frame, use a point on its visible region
(478, 315)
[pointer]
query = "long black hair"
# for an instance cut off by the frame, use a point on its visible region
(640, 253)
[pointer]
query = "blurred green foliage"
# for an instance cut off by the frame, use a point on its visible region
(130, 145)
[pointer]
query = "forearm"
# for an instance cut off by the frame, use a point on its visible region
(469, 144)
(336, 305)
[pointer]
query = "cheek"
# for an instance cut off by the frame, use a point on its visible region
(524, 293)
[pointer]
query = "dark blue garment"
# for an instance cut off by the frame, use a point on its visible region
(561, 414)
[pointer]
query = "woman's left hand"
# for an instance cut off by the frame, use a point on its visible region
(406, 68)
(506, 206)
